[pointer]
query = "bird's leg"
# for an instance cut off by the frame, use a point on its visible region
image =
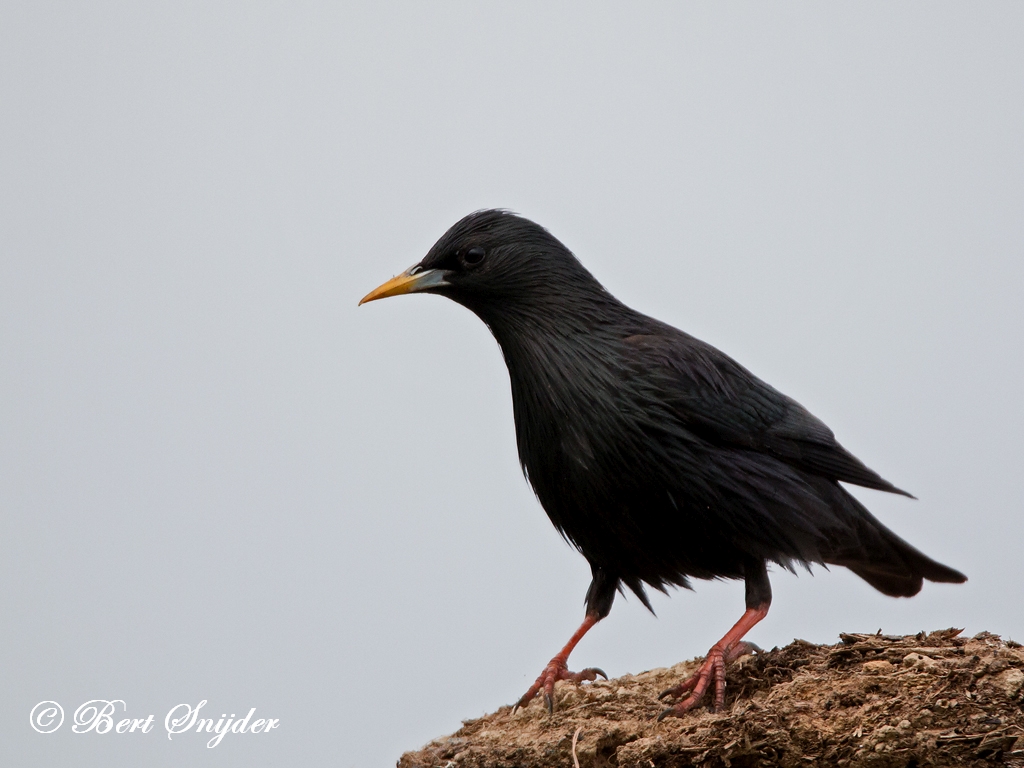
(558, 668)
(726, 650)
(600, 597)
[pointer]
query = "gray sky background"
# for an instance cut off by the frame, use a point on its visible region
(221, 480)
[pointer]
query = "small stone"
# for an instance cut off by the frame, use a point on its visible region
(877, 667)
(903, 725)
(887, 732)
(1011, 681)
(996, 666)
(917, 661)
(569, 698)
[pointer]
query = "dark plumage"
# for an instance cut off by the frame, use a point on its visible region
(657, 456)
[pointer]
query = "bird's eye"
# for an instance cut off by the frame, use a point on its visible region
(474, 256)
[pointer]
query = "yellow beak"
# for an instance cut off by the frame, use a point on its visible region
(413, 280)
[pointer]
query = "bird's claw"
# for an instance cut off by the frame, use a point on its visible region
(555, 670)
(698, 683)
(679, 690)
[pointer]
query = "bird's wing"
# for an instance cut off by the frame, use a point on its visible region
(716, 398)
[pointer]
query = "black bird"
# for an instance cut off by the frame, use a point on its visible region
(657, 456)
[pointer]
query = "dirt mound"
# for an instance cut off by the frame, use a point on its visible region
(872, 700)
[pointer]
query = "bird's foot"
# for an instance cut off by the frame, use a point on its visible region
(698, 683)
(556, 670)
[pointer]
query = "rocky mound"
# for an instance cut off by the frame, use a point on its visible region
(933, 699)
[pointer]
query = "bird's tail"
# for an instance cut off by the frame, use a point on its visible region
(880, 557)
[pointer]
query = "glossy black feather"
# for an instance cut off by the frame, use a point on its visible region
(655, 454)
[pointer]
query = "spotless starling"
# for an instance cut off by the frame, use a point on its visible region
(658, 457)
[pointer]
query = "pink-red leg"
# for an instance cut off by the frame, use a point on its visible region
(558, 669)
(724, 651)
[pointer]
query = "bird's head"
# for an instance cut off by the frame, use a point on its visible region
(496, 262)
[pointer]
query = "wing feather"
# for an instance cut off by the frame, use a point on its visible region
(716, 398)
